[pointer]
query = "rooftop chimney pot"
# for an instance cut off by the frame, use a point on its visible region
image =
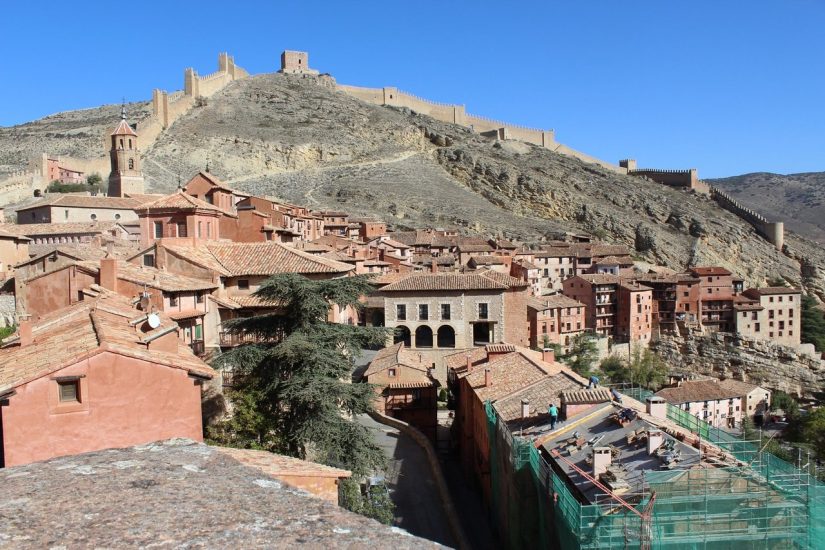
(488, 377)
(108, 273)
(24, 331)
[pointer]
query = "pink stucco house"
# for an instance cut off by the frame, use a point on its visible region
(95, 375)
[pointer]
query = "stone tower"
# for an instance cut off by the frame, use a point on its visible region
(124, 157)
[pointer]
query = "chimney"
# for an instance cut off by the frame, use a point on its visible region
(433, 267)
(654, 441)
(110, 247)
(601, 460)
(657, 407)
(469, 364)
(525, 408)
(108, 273)
(488, 377)
(24, 331)
(548, 355)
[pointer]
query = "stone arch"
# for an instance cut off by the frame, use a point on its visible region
(423, 337)
(446, 336)
(402, 334)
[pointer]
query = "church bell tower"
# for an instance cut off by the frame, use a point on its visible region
(124, 156)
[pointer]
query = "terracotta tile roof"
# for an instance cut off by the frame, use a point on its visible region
(614, 260)
(6, 235)
(772, 291)
(398, 355)
(633, 285)
(551, 302)
(84, 201)
(458, 361)
(601, 250)
(279, 465)
(198, 255)
(697, 390)
(499, 348)
(393, 243)
(508, 374)
(339, 257)
(743, 303)
(444, 281)
(705, 271)
(270, 258)
(92, 326)
(601, 278)
(540, 394)
(61, 229)
(427, 259)
(211, 178)
(471, 247)
(249, 300)
(123, 129)
(154, 278)
(180, 201)
(489, 260)
(740, 387)
(391, 277)
(186, 314)
(83, 251)
(583, 396)
(503, 278)
(556, 252)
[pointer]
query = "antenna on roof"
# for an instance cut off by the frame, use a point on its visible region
(180, 186)
(207, 163)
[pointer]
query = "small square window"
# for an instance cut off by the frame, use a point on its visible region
(445, 312)
(243, 284)
(199, 298)
(483, 311)
(391, 373)
(423, 312)
(69, 391)
(401, 312)
(173, 299)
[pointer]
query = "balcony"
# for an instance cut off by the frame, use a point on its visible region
(197, 347)
(233, 339)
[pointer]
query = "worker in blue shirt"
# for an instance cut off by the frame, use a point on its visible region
(594, 381)
(554, 415)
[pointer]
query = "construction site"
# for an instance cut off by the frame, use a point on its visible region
(647, 476)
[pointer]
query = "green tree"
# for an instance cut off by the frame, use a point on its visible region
(292, 390)
(813, 323)
(7, 331)
(645, 368)
(783, 401)
(582, 354)
(813, 431)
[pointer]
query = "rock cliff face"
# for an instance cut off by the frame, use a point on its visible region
(299, 139)
(723, 355)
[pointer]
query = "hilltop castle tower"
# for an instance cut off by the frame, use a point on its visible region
(124, 156)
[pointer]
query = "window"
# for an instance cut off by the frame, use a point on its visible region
(182, 229)
(790, 313)
(544, 328)
(173, 300)
(93, 216)
(158, 230)
(117, 216)
(200, 230)
(68, 391)
(149, 260)
(391, 373)
(208, 230)
(198, 298)
(756, 327)
(686, 294)
(770, 335)
(790, 298)
(445, 312)
(780, 298)
(483, 312)
(198, 332)
(401, 312)
(66, 214)
(770, 299)
(131, 164)
(423, 312)
(243, 284)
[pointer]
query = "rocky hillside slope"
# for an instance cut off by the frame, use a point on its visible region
(298, 139)
(799, 199)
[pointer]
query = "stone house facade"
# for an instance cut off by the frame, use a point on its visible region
(718, 404)
(770, 313)
(456, 310)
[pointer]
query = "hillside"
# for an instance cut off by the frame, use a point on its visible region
(799, 199)
(298, 139)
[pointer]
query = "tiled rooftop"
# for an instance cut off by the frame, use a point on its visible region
(178, 494)
(772, 290)
(552, 302)
(155, 278)
(57, 229)
(180, 201)
(698, 390)
(85, 201)
(444, 281)
(86, 328)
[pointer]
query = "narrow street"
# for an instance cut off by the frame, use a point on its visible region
(418, 505)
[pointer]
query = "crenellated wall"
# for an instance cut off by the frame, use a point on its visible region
(457, 114)
(774, 232)
(674, 178)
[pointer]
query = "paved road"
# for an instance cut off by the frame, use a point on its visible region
(418, 506)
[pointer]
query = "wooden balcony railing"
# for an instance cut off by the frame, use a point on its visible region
(232, 339)
(197, 348)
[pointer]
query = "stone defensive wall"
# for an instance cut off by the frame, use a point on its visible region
(457, 114)
(773, 232)
(672, 178)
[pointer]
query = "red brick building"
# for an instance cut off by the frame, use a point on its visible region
(555, 320)
(405, 386)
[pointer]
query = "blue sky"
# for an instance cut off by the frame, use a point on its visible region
(728, 87)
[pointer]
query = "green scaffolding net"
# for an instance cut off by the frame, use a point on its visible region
(763, 503)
